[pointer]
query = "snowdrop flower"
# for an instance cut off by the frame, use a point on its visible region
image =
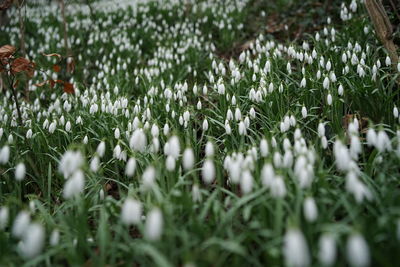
(208, 171)
(74, 185)
(277, 159)
(188, 159)
(138, 140)
(32, 206)
(32, 242)
(303, 83)
(287, 159)
(4, 214)
(246, 182)
(68, 126)
(4, 154)
(295, 249)
(357, 188)
(101, 194)
(29, 134)
(101, 149)
(327, 250)
(79, 120)
(321, 129)
(388, 61)
(85, 140)
(242, 128)
(154, 225)
(357, 251)
(264, 148)
(304, 112)
(342, 156)
(148, 177)
(209, 149)
(130, 167)
(371, 137)
(95, 164)
(117, 133)
(278, 187)
(166, 129)
(205, 125)
(267, 175)
(355, 147)
(324, 142)
(155, 132)
(310, 209)
(196, 194)
(52, 127)
(329, 99)
(252, 113)
(20, 171)
(383, 142)
(117, 152)
(326, 83)
(70, 162)
(21, 223)
(131, 212)
(172, 147)
(170, 163)
(340, 90)
(395, 112)
(54, 238)
(228, 129)
(238, 114)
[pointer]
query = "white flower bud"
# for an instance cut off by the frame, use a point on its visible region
(310, 209)
(208, 171)
(32, 242)
(357, 251)
(188, 159)
(154, 225)
(327, 250)
(131, 212)
(20, 171)
(295, 249)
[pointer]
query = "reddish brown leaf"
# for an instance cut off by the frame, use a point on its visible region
(52, 83)
(6, 51)
(22, 64)
(68, 88)
(56, 68)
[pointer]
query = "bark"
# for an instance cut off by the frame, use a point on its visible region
(383, 28)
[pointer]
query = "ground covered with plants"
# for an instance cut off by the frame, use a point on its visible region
(198, 133)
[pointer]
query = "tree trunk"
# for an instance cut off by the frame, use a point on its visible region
(383, 28)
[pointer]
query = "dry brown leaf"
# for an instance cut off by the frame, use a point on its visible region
(68, 88)
(23, 65)
(56, 68)
(6, 51)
